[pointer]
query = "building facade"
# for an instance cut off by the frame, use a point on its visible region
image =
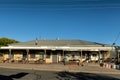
(53, 51)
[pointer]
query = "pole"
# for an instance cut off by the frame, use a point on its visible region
(27, 54)
(45, 55)
(10, 55)
(99, 57)
(81, 55)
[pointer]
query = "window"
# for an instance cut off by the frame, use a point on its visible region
(94, 55)
(32, 55)
(41, 55)
(48, 55)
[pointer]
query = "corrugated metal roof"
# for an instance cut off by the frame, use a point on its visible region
(60, 43)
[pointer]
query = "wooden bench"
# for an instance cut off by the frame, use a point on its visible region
(72, 62)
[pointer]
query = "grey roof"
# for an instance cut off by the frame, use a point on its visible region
(76, 43)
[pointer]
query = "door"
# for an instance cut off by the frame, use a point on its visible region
(54, 57)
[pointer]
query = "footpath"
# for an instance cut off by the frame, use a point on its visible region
(88, 68)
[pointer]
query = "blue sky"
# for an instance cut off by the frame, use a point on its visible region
(91, 20)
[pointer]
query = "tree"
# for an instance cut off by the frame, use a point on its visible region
(6, 41)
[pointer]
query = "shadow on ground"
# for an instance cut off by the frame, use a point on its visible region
(17, 76)
(82, 76)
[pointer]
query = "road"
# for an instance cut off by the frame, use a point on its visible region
(22, 74)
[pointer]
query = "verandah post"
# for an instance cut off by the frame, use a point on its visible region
(10, 56)
(81, 56)
(45, 55)
(27, 55)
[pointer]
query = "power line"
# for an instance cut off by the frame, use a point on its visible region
(117, 37)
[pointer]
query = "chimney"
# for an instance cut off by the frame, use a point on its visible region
(36, 42)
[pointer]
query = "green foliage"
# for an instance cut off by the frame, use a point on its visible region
(6, 41)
